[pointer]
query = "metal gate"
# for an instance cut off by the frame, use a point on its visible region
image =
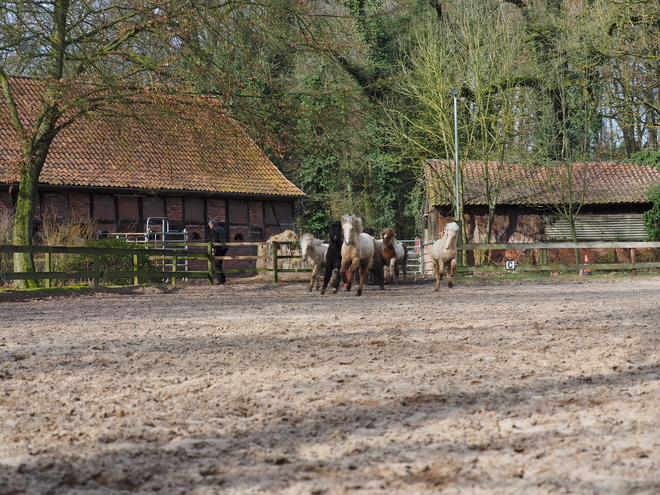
(415, 249)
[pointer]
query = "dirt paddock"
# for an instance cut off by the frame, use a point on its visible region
(514, 387)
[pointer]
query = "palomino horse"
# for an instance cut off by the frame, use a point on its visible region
(443, 254)
(395, 255)
(357, 252)
(313, 250)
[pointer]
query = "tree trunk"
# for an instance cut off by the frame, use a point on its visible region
(25, 206)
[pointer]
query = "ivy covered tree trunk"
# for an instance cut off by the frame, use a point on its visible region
(25, 207)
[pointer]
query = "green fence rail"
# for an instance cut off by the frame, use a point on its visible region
(543, 248)
(168, 259)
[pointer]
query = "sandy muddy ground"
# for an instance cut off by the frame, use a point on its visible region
(542, 386)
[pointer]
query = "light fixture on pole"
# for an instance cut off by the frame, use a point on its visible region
(457, 207)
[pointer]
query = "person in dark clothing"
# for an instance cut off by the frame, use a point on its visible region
(218, 234)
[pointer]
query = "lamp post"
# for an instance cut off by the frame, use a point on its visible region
(454, 92)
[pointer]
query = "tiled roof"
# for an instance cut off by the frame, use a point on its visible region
(178, 143)
(602, 182)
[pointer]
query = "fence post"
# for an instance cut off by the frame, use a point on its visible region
(209, 253)
(95, 266)
(174, 262)
(275, 248)
(48, 266)
(135, 269)
(421, 257)
(633, 257)
(544, 257)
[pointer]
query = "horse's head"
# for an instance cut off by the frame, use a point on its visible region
(388, 236)
(335, 231)
(306, 244)
(348, 229)
(450, 235)
(352, 227)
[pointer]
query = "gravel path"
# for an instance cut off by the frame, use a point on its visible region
(534, 387)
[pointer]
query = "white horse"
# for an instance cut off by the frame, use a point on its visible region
(357, 252)
(313, 250)
(443, 254)
(395, 256)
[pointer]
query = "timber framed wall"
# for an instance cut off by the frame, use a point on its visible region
(519, 224)
(243, 219)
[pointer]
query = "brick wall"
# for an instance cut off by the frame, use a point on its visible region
(103, 207)
(256, 211)
(128, 209)
(215, 210)
(53, 204)
(197, 233)
(174, 211)
(153, 207)
(80, 207)
(194, 211)
(238, 212)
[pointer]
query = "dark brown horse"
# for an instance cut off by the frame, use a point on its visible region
(395, 255)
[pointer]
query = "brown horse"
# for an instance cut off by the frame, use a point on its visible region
(443, 254)
(395, 255)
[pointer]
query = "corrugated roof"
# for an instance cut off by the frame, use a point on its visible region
(600, 182)
(181, 143)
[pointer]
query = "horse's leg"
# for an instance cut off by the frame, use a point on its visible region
(438, 271)
(314, 278)
(378, 271)
(452, 270)
(318, 276)
(335, 280)
(364, 271)
(395, 268)
(380, 275)
(326, 277)
(345, 266)
(354, 271)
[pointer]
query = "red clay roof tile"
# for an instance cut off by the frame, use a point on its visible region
(169, 143)
(604, 183)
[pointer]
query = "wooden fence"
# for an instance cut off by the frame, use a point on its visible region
(171, 262)
(542, 264)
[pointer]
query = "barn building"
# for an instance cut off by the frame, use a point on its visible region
(613, 198)
(178, 158)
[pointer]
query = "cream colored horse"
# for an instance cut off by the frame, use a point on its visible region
(357, 252)
(313, 250)
(443, 254)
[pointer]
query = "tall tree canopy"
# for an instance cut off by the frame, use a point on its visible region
(350, 97)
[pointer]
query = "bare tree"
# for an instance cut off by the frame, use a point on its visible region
(87, 54)
(477, 48)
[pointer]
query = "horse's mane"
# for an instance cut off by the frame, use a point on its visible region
(389, 232)
(310, 239)
(353, 220)
(451, 226)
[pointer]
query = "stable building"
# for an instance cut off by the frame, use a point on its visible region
(527, 200)
(173, 160)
